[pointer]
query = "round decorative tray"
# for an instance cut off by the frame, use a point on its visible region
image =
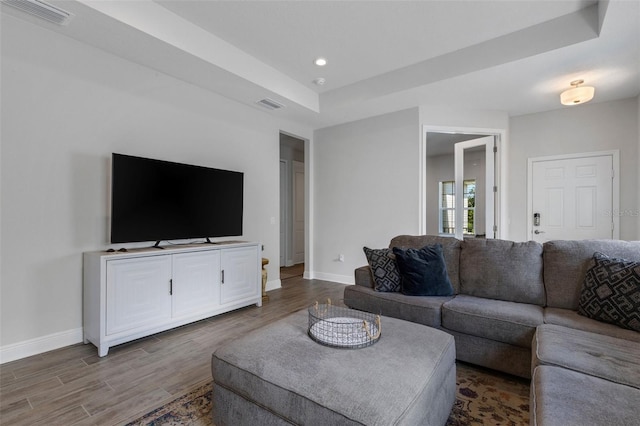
(342, 327)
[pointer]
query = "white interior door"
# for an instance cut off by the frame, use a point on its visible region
(572, 198)
(484, 190)
(298, 212)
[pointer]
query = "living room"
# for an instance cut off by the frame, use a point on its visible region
(67, 104)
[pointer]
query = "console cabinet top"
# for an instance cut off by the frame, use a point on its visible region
(168, 249)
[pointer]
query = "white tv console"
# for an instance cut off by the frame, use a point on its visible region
(133, 294)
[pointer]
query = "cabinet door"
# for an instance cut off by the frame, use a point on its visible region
(138, 293)
(239, 273)
(196, 282)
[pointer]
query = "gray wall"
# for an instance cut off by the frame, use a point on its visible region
(66, 107)
(586, 128)
(365, 179)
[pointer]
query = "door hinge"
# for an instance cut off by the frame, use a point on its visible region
(495, 189)
(222, 277)
(613, 173)
(495, 149)
(495, 228)
(171, 287)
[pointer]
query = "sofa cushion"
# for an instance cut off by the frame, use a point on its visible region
(569, 318)
(421, 310)
(607, 357)
(503, 270)
(384, 269)
(507, 322)
(423, 271)
(566, 264)
(450, 251)
(611, 292)
(564, 397)
(364, 277)
(492, 354)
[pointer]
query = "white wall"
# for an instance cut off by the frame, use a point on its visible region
(584, 128)
(66, 107)
(365, 189)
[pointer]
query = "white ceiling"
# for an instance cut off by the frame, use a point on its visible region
(514, 56)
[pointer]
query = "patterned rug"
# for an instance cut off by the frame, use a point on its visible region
(484, 397)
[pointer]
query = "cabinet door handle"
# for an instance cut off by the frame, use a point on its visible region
(171, 286)
(223, 276)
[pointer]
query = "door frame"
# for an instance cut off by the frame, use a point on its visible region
(500, 174)
(615, 154)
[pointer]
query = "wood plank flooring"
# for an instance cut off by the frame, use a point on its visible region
(73, 386)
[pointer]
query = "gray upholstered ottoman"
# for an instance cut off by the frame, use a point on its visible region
(277, 375)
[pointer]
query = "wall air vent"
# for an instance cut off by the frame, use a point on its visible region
(270, 104)
(42, 10)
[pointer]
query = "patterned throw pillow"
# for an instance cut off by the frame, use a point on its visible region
(611, 292)
(384, 268)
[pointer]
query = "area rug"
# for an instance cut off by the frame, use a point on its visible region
(483, 397)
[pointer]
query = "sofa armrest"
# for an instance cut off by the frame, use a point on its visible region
(364, 277)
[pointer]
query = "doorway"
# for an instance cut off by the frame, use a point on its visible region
(292, 204)
(573, 197)
(460, 196)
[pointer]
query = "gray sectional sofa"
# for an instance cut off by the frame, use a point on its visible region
(514, 309)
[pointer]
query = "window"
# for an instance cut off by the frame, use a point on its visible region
(447, 197)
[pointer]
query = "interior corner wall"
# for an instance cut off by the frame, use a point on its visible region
(577, 129)
(365, 189)
(66, 106)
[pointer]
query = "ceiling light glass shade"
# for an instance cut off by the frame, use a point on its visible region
(577, 95)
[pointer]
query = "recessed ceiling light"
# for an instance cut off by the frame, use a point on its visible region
(321, 62)
(319, 81)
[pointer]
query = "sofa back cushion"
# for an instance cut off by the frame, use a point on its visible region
(566, 264)
(502, 270)
(450, 250)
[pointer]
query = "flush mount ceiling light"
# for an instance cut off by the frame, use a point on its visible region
(321, 62)
(577, 95)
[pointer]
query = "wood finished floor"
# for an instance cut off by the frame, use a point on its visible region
(73, 386)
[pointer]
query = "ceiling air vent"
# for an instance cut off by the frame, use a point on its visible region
(42, 10)
(270, 104)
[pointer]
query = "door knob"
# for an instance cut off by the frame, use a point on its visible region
(538, 232)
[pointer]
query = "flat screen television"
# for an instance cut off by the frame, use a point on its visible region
(155, 200)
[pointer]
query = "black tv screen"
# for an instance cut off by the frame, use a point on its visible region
(155, 200)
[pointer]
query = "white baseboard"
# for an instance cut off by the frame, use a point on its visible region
(273, 284)
(342, 279)
(39, 345)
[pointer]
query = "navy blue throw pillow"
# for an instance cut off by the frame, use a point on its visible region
(423, 271)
